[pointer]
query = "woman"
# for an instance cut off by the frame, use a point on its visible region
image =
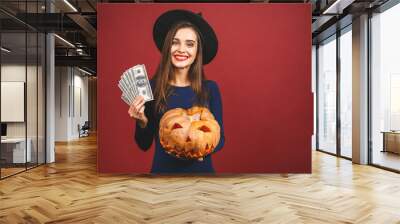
(186, 42)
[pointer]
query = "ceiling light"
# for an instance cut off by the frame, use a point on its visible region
(5, 50)
(65, 41)
(84, 71)
(70, 5)
(338, 6)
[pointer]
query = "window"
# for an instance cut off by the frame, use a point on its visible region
(327, 95)
(346, 93)
(385, 88)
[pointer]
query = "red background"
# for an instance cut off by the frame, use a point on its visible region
(263, 69)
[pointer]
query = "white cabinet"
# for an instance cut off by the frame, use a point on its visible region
(16, 148)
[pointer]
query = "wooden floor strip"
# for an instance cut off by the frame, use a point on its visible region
(71, 191)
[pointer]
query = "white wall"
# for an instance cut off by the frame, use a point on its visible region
(80, 111)
(71, 102)
(10, 73)
(61, 103)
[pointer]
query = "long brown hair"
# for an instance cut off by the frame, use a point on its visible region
(165, 71)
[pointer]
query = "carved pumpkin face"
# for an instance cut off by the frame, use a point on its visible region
(191, 133)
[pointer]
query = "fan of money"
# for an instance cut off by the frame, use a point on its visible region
(135, 82)
(191, 134)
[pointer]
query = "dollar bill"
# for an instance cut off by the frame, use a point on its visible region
(126, 100)
(142, 82)
(131, 81)
(135, 82)
(125, 90)
(122, 88)
(129, 85)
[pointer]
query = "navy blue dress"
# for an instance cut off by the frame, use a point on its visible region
(181, 97)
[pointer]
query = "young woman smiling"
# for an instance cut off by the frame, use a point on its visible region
(187, 42)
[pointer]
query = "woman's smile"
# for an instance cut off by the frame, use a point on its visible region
(180, 57)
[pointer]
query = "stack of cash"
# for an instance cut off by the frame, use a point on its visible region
(134, 82)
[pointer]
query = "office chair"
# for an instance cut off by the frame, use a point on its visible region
(84, 130)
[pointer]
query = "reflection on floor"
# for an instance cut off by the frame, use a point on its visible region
(10, 169)
(386, 159)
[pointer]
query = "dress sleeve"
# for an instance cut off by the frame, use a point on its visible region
(216, 109)
(144, 136)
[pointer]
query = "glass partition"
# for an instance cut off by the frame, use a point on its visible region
(22, 77)
(327, 95)
(41, 107)
(14, 153)
(31, 100)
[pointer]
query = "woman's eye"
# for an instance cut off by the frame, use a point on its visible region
(190, 44)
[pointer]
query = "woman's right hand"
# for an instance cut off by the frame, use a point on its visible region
(136, 110)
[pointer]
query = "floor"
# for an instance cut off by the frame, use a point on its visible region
(10, 171)
(5, 172)
(71, 191)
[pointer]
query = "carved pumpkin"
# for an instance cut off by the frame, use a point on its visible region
(191, 133)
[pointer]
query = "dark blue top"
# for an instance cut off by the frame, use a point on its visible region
(181, 97)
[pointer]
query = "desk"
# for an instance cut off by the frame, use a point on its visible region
(391, 141)
(13, 150)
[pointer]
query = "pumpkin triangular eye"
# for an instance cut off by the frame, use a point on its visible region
(176, 125)
(204, 128)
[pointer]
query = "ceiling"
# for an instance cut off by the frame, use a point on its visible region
(76, 22)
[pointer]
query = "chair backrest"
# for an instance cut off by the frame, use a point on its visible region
(86, 125)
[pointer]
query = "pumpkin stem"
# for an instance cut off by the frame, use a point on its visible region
(196, 117)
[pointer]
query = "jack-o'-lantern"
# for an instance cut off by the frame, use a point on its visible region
(192, 133)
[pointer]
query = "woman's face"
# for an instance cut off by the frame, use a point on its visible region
(184, 48)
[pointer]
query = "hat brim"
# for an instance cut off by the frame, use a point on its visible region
(165, 22)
